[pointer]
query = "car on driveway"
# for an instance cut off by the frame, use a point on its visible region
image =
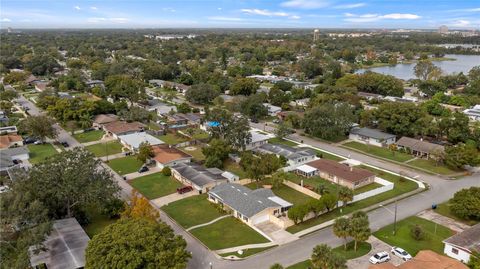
(143, 169)
(380, 257)
(184, 189)
(65, 144)
(400, 252)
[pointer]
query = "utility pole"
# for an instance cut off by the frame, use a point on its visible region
(395, 219)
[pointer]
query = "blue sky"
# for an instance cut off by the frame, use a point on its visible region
(464, 14)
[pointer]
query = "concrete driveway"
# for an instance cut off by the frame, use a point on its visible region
(276, 233)
(165, 200)
(377, 246)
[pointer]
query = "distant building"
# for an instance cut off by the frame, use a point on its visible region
(272, 110)
(461, 246)
(371, 137)
(473, 113)
(443, 29)
(118, 128)
(316, 35)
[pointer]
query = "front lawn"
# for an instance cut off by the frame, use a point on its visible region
(328, 156)
(401, 186)
(38, 153)
(235, 168)
(284, 192)
(432, 167)
(379, 151)
(155, 185)
(192, 211)
(89, 136)
(434, 235)
(444, 209)
(280, 141)
(226, 233)
(125, 165)
(104, 149)
(172, 139)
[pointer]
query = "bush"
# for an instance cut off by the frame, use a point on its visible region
(113, 208)
(417, 233)
(465, 203)
(166, 171)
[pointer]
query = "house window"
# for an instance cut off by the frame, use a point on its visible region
(245, 218)
(455, 251)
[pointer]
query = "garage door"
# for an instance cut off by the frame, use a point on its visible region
(260, 219)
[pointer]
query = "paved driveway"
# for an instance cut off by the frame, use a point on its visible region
(165, 200)
(276, 233)
(377, 246)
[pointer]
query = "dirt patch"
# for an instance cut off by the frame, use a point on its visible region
(190, 148)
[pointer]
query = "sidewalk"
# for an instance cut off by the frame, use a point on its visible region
(442, 220)
(134, 175)
(235, 249)
(102, 140)
(114, 156)
(208, 223)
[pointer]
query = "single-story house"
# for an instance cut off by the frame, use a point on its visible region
(341, 174)
(181, 88)
(9, 156)
(31, 79)
(192, 118)
(294, 156)
(197, 176)
(166, 155)
(419, 148)
(158, 106)
(300, 102)
(461, 245)
(272, 110)
(251, 206)
(8, 130)
(258, 139)
(425, 259)
(473, 113)
(177, 120)
(10, 140)
(370, 96)
(41, 86)
(132, 141)
(371, 137)
(65, 247)
(118, 128)
(94, 83)
(101, 119)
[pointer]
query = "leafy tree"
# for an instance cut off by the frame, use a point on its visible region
(297, 213)
(135, 113)
(124, 86)
(359, 227)
(8, 95)
(431, 87)
(145, 152)
(402, 119)
(137, 243)
(253, 107)
(278, 97)
(15, 77)
(39, 127)
(417, 233)
(278, 178)
(166, 171)
(311, 68)
(234, 130)
(264, 165)
(42, 65)
(466, 203)
(329, 200)
(244, 86)
(316, 206)
(329, 121)
(276, 266)
(462, 154)
(474, 262)
(425, 70)
(345, 195)
(323, 257)
(216, 152)
(341, 228)
(139, 208)
(283, 86)
(373, 83)
(184, 108)
(201, 94)
(282, 130)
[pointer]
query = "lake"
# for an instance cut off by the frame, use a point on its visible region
(463, 64)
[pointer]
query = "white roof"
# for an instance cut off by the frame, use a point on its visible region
(279, 201)
(257, 137)
(135, 139)
(306, 168)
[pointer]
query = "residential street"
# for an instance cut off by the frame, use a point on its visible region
(440, 190)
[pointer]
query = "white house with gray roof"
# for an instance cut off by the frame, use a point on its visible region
(251, 206)
(371, 137)
(258, 139)
(294, 156)
(199, 177)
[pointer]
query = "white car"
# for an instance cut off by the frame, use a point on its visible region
(400, 252)
(380, 257)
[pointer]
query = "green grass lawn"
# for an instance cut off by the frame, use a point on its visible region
(89, 136)
(192, 211)
(401, 186)
(246, 252)
(280, 141)
(369, 187)
(172, 139)
(284, 192)
(153, 126)
(200, 134)
(104, 149)
(379, 151)
(328, 156)
(362, 249)
(235, 168)
(38, 153)
(98, 222)
(433, 237)
(444, 209)
(226, 233)
(155, 185)
(197, 154)
(125, 165)
(432, 167)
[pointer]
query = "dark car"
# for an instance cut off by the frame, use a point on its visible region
(184, 189)
(128, 153)
(65, 144)
(143, 169)
(29, 140)
(254, 120)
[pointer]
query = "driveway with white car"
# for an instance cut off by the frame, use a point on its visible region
(377, 246)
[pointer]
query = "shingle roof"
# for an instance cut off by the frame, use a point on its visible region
(199, 175)
(244, 200)
(468, 239)
(105, 118)
(286, 151)
(121, 127)
(6, 140)
(419, 145)
(351, 174)
(373, 133)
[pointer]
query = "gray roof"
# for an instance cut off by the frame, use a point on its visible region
(198, 174)
(419, 145)
(286, 151)
(468, 239)
(8, 155)
(257, 136)
(66, 246)
(372, 133)
(243, 199)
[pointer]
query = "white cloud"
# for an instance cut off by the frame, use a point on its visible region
(376, 17)
(6, 20)
(460, 23)
(220, 18)
(77, 7)
(219, 8)
(93, 8)
(295, 17)
(264, 12)
(306, 4)
(168, 9)
(111, 20)
(475, 9)
(401, 16)
(350, 6)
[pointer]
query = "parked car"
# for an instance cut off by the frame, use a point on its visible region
(276, 121)
(65, 144)
(143, 169)
(400, 252)
(38, 142)
(128, 153)
(29, 140)
(380, 257)
(4, 189)
(184, 189)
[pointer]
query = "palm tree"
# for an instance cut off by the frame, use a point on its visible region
(345, 195)
(341, 229)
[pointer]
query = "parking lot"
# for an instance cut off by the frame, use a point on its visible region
(377, 246)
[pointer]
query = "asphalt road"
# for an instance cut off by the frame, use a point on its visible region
(440, 191)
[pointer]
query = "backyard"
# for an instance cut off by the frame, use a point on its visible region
(125, 165)
(226, 233)
(104, 149)
(195, 151)
(39, 153)
(434, 235)
(97, 221)
(88, 136)
(172, 139)
(235, 168)
(284, 192)
(192, 211)
(155, 185)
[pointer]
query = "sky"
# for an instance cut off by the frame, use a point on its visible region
(418, 14)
